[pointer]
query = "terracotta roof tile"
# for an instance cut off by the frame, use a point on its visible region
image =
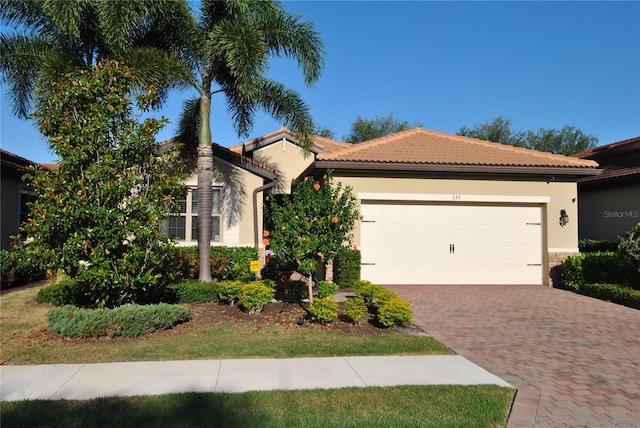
(618, 160)
(327, 145)
(421, 146)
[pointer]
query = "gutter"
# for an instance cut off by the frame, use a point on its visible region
(256, 234)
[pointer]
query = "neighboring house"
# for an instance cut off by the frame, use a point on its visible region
(609, 204)
(438, 208)
(16, 194)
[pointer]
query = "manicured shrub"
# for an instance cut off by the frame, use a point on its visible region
(394, 312)
(596, 245)
(126, 321)
(592, 268)
(255, 295)
(366, 289)
(626, 296)
(194, 291)
(326, 288)
(356, 309)
(296, 289)
(346, 267)
(324, 310)
(229, 292)
(65, 292)
(382, 295)
(17, 268)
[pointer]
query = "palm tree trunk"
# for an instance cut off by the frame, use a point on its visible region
(205, 192)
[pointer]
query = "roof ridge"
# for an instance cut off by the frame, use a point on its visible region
(374, 142)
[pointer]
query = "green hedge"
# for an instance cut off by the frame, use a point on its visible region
(65, 292)
(592, 268)
(194, 291)
(346, 267)
(626, 296)
(16, 269)
(597, 245)
(126, 321)
(227, 263)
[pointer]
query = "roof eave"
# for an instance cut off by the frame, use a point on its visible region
(449, 168)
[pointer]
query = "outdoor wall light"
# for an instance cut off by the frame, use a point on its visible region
(564, 218)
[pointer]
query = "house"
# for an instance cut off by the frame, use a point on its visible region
(609, 203)
(437, 208)
(16, 194)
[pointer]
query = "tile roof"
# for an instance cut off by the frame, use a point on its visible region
(321, 144)
(619, 161)
(15, 164)
(423, 147)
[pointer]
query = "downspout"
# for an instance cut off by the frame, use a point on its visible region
(256, 234)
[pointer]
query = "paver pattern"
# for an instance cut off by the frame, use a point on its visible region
(574, 360)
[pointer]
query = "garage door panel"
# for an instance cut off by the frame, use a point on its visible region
(451, 244)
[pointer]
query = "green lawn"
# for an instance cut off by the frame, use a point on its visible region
(24, 340)
(403, 406)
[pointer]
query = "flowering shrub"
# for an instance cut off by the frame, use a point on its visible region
(312, 224)
(97, 217)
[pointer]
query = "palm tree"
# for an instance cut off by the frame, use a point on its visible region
(52, 37)
(232, 42)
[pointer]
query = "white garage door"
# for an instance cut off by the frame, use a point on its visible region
(410, 243)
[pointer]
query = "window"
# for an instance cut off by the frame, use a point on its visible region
(184, 226)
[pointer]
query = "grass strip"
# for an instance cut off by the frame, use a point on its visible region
(402, 406)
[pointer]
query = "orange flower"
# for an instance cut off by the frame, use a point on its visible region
(334, 219)
(361, 217)
(316, 186)
(265, 233)
(321, 255)
(265, 241)
(355, 247)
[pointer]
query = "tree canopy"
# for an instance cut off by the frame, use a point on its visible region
(229, 47)
(565, 141)
(367, 129)
(49, 38)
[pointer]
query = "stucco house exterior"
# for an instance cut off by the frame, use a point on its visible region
(437, 208)
(609, 203)
(16, 194)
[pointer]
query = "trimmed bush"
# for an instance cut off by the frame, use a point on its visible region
(126, 321)
(324, 310)
(596, 246)
(346, 267)
(194, 291)
(16, 268)
(326, 288)
(296, 289)
(615, 293)
(255, 295)
(592, 268)
(229, 292)
(356, 309)
(366, 289)
(394, 312)
(65, 292)
(382, 295)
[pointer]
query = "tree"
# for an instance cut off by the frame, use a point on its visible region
(323, 131)
(312, 224)
(566, 141)
(499, 130)
(230, 45)
(55, 37)
(98, 216)
(368, 129)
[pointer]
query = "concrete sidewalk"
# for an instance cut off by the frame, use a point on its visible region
(86, 381)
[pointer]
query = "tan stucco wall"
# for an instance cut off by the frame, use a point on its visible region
(608, 213)
(237, 203)
(287, 159)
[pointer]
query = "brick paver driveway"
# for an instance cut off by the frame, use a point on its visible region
(575, 360)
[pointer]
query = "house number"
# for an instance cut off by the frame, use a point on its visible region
(456, 197)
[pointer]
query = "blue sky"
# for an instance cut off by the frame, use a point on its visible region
(446, 65)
